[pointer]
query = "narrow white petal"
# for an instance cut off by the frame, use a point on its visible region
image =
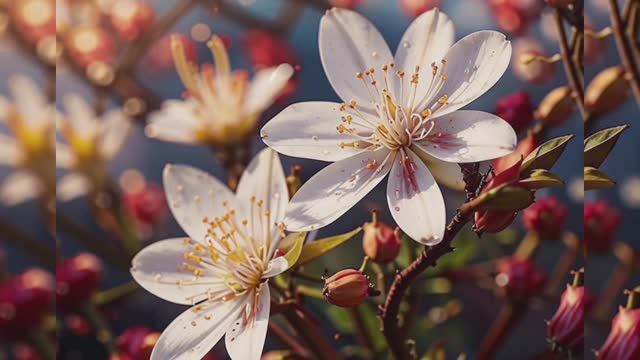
(80, 114)
(116, 128)
(194, 332)
(275, 267)
(245, 341)
(194, 195)
(19, 187)
(264, 180)
(349, 43)
(64, 156)
(71, 186)
(474, 64)
(308, 130)
(415, 200)
(158, 269)
(265, 87)
(336, 189)
(469, 136)
(425, 41)
(175, 122)
(5, 108)
(30, 101)
(445, 173)
(11, 153)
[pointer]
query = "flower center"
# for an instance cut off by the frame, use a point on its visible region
(398, 120)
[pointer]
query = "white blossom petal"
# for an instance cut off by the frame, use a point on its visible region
(245, 341)
(194, 332)
(30, 101)
(474, 64)
(265, 88)
(308, 130)
(175, 122)
(425, 41)
(116, 128)
(71, 186)
(158, 269)
(335, 189)
(193, 195)
(445, 173)
(11, 152)
(18, 187)
(81, 115)
(64, 156)
(415, 200)
(276, 267)
(349, 43)
(469, 136)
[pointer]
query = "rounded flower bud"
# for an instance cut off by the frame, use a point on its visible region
(23, 351)
(77, 279)
(524, 148)
(566, 328)
(147, 203)
(546, 217)
(24, 301)
(556, 107)
(600, 225)
(137, 342)
(521, 279)
(525, 65)
(607, 91)
(347, 288)
(623, 342)
(132, 18)
(413, 8)
(380, 242)
(493, 221)
(516, 109)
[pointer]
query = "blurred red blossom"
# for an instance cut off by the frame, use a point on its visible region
(347, 4)
(515, 16)
(413, 8)
(137, 342)
(546, 217)
(132, 18)
(23, 351)
(566, 327)
(25, 299)
(521, 279)
(601, 222)
(77, 279)
(623, 342)
(89, 44)
(516, 109)
(35, 19)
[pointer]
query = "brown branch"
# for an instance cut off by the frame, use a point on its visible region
(507, 318)
(286, 339)
(569, 66)
(39, 250)
(311, 334)
(429, 257)
(624, 49)
(362, 333)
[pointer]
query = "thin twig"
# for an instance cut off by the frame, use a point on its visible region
(312, 335)
(569, 66)
(625, 50)
(39, 250)
(507, 318)
(292, 343)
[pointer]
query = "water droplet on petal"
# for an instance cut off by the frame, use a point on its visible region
(315, 138)
(325, 152)
(374, 54)
(406, 45)
(397, 208)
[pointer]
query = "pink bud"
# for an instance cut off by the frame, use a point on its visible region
(511, 18)
(516, 109)
(566, 327)
(524, 148)
(137, 342)
(414, 8)
(521, 279)
(24, 301)
(77, 279)
(600, 225)
(380, 242)
(147, 204)
(546, 217)
(23, 351)
(623, 342)
(347, 288)
(492, 221)
(132, 18)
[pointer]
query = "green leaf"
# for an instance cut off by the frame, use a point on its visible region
(545, 155)
(598, 146)
(541, 178)
(292, 246)
(505, 198)
(317, 248)
(596, 179)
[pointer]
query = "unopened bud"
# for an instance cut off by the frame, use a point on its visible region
(566, 328)
(380, 242)
(556, 107)
(521, 279)
(77, 279)
(600, 225)
(516, 109)
(607, 91)
(493, 221)
(546, 217)
(623, 341)
(524, 148)
(347, 288)
(137, 342)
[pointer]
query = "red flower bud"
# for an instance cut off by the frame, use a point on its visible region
(546, 217)
(516, 109)
(521, 279)
(510, 18)
(623, 342)
(600, 224)
(347, 288)
(77, 324)
(380, 242)
(89, 44)
(137, 342)
(347, 4)
(414, 8)
(492, 221)
(22, 351)
(146, 203)
(77, 279)
(566, 327)
(132, 18)
(524, 148)
(24, 301)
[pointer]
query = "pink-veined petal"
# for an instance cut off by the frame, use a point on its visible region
(335, 189)
(415, 200)
(245, 341)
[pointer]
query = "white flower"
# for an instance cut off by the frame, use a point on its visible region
(222, 268)
(31, 151)
(91, 141)
(395, 109)
(222, 107)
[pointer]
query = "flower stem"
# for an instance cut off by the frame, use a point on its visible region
(429, 257)
(507, 318)
(296, 347)
(569, 66)
(361, 329)
(312, 335)
(624, 49)
(44, 347)
(115, 293)
(38, 249)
